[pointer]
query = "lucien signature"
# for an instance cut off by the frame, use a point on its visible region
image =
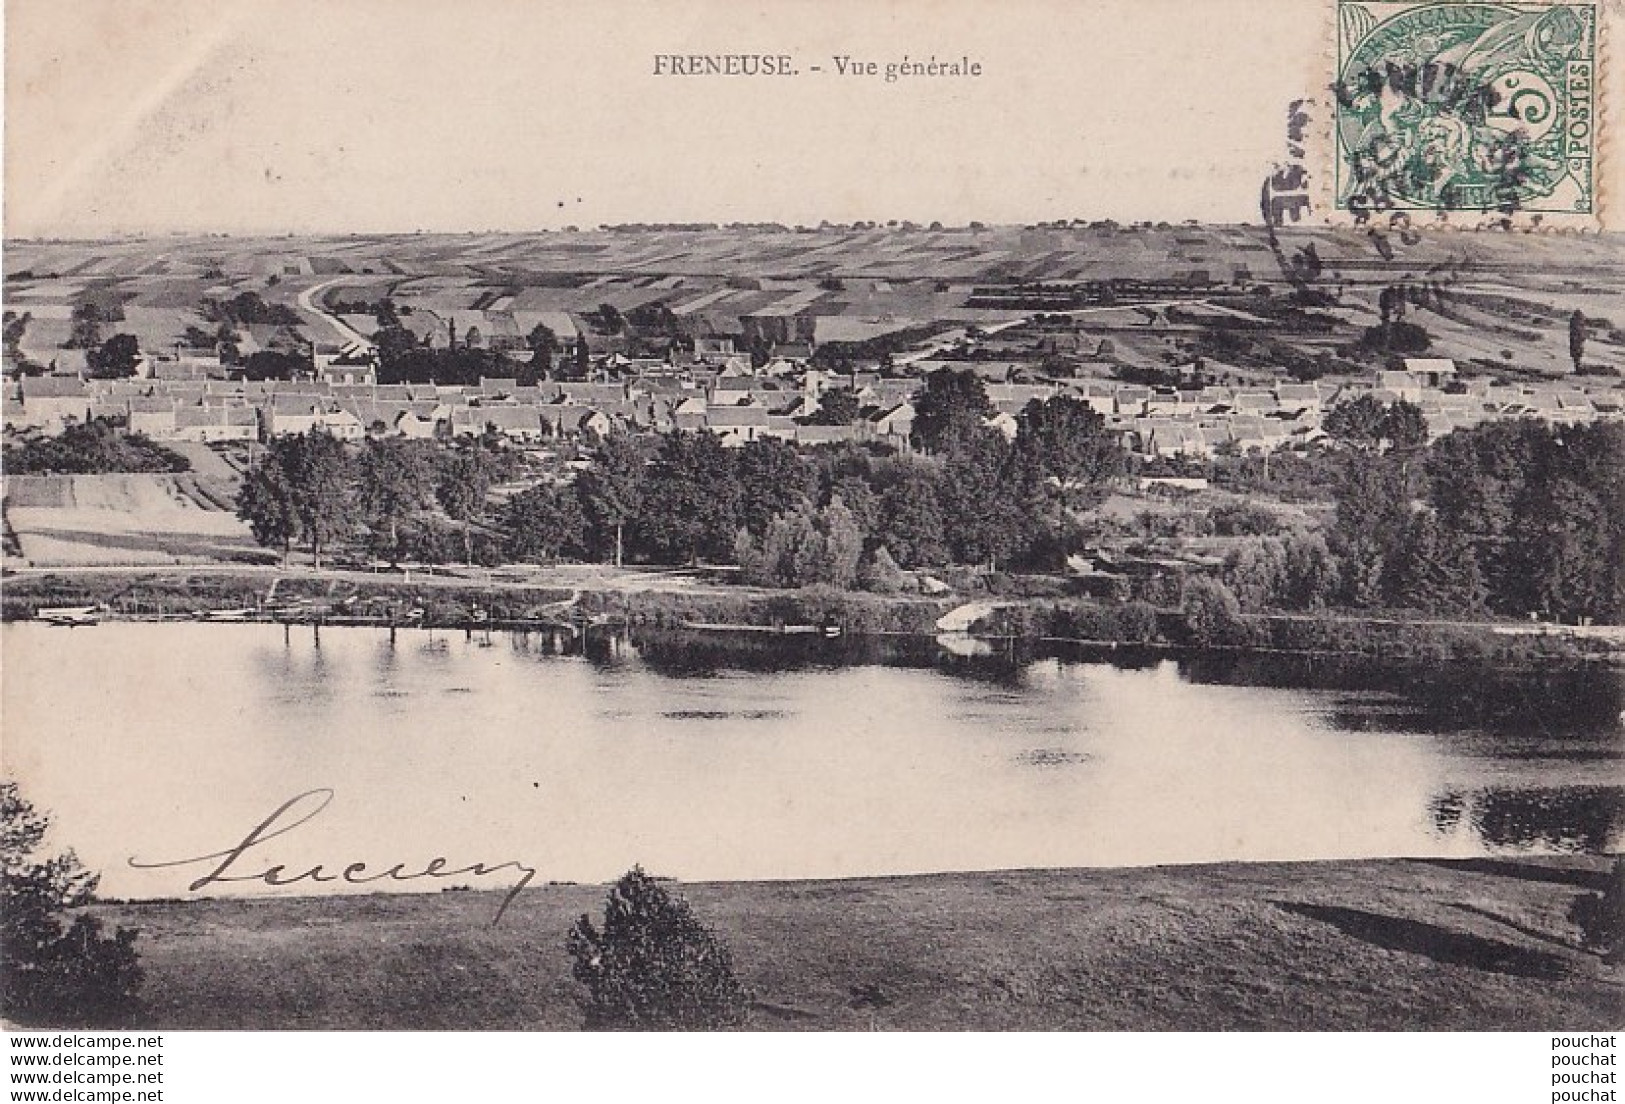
(301, 809)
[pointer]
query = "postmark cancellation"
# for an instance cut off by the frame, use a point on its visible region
(1467, 114)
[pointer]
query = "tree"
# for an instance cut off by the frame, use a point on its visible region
(843, 545)
(1312, 580)
(1566, 550)
(837, 406)
(787, 553)
(51, 975)
(96, 447)
(1577, 339)
(394, 343)
(267, 364)
(1477, 486)
(396, 481)
(910, 518)
(692, 507)
(86, 328)
(610, 319)
(880, 574)
(653, 965)
(1435, 570)
(323, 477)
(986, 514)
(1212, 613)
(1257, 573)
(16, 325)
(1368, 423)
(949, 411)
(803, 547)
(117, 357)
(544, 345)
(247, 308)
(461, 484)
(543, 522)
(612, 490)
(1373, 506)
(301, 489)
(1404, 427)
(1601, 917)
(1065, 440)
(773, 478)
(266, 500)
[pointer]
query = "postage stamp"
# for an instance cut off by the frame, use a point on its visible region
(1465, 113)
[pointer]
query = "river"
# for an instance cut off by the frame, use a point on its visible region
(708, 758)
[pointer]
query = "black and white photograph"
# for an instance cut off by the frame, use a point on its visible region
(914, 516)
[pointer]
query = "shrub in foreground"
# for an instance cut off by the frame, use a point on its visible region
(51, 976)
(653, 965)
(1602, 918)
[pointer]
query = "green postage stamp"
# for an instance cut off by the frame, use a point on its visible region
(1467, 113)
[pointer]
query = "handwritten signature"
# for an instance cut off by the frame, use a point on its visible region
(309, 805)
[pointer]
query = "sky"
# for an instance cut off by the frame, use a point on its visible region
(146, 116)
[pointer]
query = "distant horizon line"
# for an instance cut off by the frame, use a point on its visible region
(973, 226)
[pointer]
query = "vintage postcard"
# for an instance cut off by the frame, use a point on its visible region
(917, 515)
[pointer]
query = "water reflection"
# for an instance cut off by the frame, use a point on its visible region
(1585, 698)
(715, 756)
(1586, 819)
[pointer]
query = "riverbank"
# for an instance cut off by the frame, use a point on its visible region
(541, 597)
(1375, 945)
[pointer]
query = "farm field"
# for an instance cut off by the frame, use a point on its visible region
(1512, 294)
(68, 520)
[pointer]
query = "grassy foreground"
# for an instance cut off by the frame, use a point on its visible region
(1377, 945)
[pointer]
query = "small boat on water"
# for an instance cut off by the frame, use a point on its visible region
(829, 630)
(70, 615)
(228, 614)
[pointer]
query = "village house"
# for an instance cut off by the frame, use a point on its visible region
(810, 435)
(894, 426)
(1100, 397)
(302, 413)
(520, 424)
(1433, 372)
(209, 424)
(737, 425)
(152, 416)
(1399, 385)
(1297, 398)
(1131, 400)
(183, 366)
(349, 363)
(50, 402)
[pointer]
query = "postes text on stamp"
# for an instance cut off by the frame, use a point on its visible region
(1461, 112)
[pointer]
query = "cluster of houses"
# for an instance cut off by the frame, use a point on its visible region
(740, 404)
(735, 402)
(1199, 423)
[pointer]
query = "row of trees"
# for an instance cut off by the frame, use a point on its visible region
(400, 497)
(404, 358)
(778, 511)
(1512, 517)
(686, 497)
(1509, 517)
(96, 447)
